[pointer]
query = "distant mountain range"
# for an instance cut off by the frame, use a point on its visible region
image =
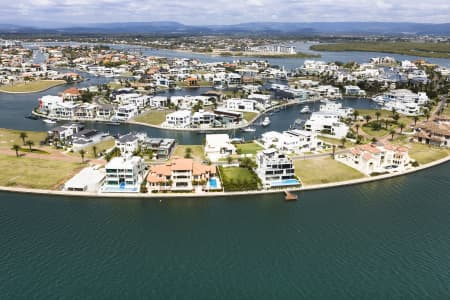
(244, 28)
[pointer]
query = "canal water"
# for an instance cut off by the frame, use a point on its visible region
(380, 240)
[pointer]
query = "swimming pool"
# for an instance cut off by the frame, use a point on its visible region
(285, 182)
(213, 183)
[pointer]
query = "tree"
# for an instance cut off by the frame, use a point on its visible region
(427, 115)
(23, 136)
(334, 151)
(188, 152)
(392, 132)
(401, 126)
(30, 144)
(229, 159)
(94, 150)
(343, 140)
(386, 121)
(415, 118)
(16, 148)
(357, 128)
(393, 112)
(367, 118)
(82, 153)
(355, 114)
(378, 114)
(396, 117)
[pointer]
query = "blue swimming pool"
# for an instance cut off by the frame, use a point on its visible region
(213, 183)
(286, 182)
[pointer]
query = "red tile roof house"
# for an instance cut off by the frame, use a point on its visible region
(377, 158)
(71, 94)
(182, 174)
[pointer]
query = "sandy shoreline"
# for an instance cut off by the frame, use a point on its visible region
(222, 194)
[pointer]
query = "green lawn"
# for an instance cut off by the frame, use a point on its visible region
(441, 50)
(102, 146)
(248, 116)
(424, 154)
(9, 137)
(197, 151)
(31, 87)
(248, 148)
(336, 142)
(35, 173)
(324, 170)
(153, 117)
(238, 179)
(375, 133)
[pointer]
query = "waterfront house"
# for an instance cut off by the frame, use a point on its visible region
(124, 175)
(86, 138)
(275, 169)
(353, 90)
(434, 132)
(376, 158)
(125, 112)
(182, 174)
(336, 108)
(403, 101)
(326, 123)
(227, 117)
(291, 141)
(161, 148)
(89, 180)
(203, 118)
(218, 146)
(65, 132)
(128, 143)
(178, 119)
(236, 104)
(71, 94)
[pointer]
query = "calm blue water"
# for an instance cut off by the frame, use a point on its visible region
(382, 240)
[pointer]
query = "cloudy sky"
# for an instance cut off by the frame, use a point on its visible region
(209, 12)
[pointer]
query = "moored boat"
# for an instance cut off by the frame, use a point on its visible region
(266, 122)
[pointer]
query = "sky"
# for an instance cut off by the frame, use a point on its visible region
(48, 13)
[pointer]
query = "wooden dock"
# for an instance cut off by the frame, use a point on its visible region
(290, 196)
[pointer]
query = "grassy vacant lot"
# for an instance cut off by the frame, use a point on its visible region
(197, 151)
(441, 50)
(238, 179)
(323, 170)
(248, 148)
(248, 116)
(154, 117)
(424, 154)
(31, 87)
(336, 142)
(35, 173)
(101, 146)
(10, 137)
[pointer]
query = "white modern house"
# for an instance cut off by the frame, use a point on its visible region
(240, 105)
(336, 108)
(353, 90)
(125, 112)
(128, 143)
(124, 174)
(218, 146)
(178, 119)
(326, 123)
(291, 141)
(403, 101)
(275, 169)
(203, 118)
(379, 158)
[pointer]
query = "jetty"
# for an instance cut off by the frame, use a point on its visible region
(290, 196)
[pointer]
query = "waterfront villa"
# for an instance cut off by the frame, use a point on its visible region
(87, 137)
(326, 123)
(182, 174)
(240, 105)
(275, 169)
(291, 141)
(178, 119)
(336, 108)
(160, 148)
(403, 101)
(353, 90)
(124, 175)
(435, 132)
(376, 158)
(218, 146)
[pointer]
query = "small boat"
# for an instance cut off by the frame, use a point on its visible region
(113, 123)
(49, 121)
(266, 122)
(290, 196)
(305, 110)
(31, 117)
(248, 129)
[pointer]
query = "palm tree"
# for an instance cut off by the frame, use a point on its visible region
(393, 111)
(357, 128)
(427, 115)
(378, 114)
(82, 153)
(229, 159)
(16, 148)
(23, 136)
(367, 118)
(386, 121)
(29, 143)
(415, 118)
(355, 114)
(401, 126)
(396, 117)
(188, 152)
(343, 140)
(334, 151)
(94, 151)
(392, 132)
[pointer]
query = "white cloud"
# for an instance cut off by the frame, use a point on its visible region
(198, 12)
